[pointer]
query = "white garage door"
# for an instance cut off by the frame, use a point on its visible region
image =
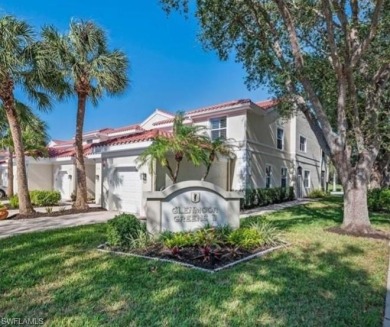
(62, 184)
(126, 189)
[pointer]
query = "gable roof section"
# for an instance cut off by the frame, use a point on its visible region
(134, 138)
(263, 105)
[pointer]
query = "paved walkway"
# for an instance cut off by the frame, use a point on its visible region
(20, 226)
(13, 227)
(273, 207)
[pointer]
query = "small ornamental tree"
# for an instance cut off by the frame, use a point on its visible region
(186, 141)
(288, 45)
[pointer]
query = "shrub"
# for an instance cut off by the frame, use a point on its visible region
(246, 238)
(122, 229)
(267, 232)
(315, 194)
(45, 198)
(206, 237)
(178, 240)
(262, 197)
(384, 200)
(14, 201)
(291, 193)
(141, 240)
(379, 199)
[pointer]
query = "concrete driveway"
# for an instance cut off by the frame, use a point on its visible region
(20, 226)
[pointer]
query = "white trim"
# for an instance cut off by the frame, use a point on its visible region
(157, 111)
(308, 179)
(219, 129)
(299, 143)
(277, 139)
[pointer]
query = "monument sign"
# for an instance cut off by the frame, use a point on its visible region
(190, 205)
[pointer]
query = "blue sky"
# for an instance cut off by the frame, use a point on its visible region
(169, 68)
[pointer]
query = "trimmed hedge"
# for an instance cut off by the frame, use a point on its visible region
(379, 199)
(264, 196)
(122, 229)
(38, 198)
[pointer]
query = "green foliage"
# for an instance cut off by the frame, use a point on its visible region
(267, 232)
(316, 194)
(262, 197)
(171, 240)
(141, 240)
(49, 209)
(14, 202)
(379, 199)
(123, 229)
(45, 198)
(246, 238)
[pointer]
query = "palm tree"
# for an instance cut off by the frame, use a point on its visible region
(34, 136)
(20, 66)
(186, 141)
(91, 70)
(214, 149)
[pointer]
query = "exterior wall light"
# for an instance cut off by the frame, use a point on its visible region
(70, 176)
(143, 176)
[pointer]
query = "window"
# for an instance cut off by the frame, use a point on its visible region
(268, 174)
(302, 143)
(218, 128)
(306, 179)
(89, 141)
(283, 173)
(280, 138)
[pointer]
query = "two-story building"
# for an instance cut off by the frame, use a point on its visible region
(269, 152)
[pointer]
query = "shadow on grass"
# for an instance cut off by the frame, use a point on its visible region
(61, 277)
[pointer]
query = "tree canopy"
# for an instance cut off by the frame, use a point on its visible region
(328, 59)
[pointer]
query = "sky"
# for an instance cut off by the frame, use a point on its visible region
(169, 68)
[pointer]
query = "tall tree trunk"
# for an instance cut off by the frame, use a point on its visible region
(25, 206)
(356, 218)
(81, 186)
(355, 181)
(10, 175)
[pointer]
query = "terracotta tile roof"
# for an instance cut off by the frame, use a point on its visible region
(265, 105)
(133, 138)
(55, 152)
(126, 128)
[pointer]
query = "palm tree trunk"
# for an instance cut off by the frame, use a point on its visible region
(81, 186)
(25, 206)
(10, 174)
(207, 171)
(176, 174)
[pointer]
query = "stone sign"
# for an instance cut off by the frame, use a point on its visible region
(191, 205)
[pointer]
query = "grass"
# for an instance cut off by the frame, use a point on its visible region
(322, 279)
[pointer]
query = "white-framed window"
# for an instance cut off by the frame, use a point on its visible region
(280, 138)
(268, 176)
(302, 143)
(306, 178)
(218, 128)
(283, 174)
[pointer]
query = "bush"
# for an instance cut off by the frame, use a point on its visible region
(315, 194)
(141, 240)
(267, 232)
(14, 202)
(171, 240)
(379, 199)
(246, 238)
(123, 229)
(262, 197)
(45, 198)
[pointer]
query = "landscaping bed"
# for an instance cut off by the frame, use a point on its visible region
(322, 279)
(55, 213)
(211, 248)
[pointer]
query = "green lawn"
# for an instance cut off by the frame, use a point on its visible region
(322, 279)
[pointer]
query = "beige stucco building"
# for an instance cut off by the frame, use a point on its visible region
(269, 152)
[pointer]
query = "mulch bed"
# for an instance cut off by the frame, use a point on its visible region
(54, 213)
(194, 256)
(375, 234)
